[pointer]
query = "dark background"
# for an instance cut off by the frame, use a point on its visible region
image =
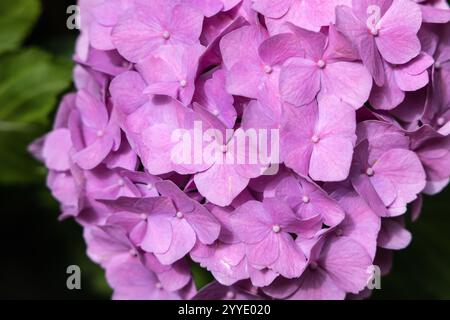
(36, 248)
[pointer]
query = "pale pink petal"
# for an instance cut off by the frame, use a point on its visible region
(183, 240)
(272, 8)
(56, 150)
(398, 42)
(338, 79)
(347, 263)
(317, 285)
(393, 235)
(222, 194)
(331, 159)
(299, 81)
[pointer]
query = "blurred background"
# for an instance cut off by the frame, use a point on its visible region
(36, 249)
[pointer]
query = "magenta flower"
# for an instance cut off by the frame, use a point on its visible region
(212, 94)
(265, 228)
(153, 225)
(409, 77)
(151, 123)
(106, 14)
(201, 220)
(320, 71)
(94, 133)
(151, 24)
(318, 139)
(308, 200)
(382, 30)
(169, 71)
(165, 228)
(385, 173)
(134, 275)
(251, 62)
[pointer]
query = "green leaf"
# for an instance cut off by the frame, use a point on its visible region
(16, 19)
(31, 83)
(201, 276)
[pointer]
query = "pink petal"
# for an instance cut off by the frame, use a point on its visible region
(245, 80)
(317, 285)
(222, 194)
(356, 31)
(398, 42)
(251, 223)
(126, 91)
(56, 150)
(291, 261)
(393, 235)
(405, 170)
(233, 49)
(389, 95)
(272, 8)
(347, 263)
(299, 81)
(93, 112)
(183, 240)
(338, 78)
(361, 223)
(266, 252)
(331, 159)
(186, 24)
(159, 236)
(93, 155)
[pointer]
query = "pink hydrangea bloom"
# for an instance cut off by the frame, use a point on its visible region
(349, 105)
(382, 30)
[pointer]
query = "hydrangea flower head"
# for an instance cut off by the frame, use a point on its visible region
(276, 144)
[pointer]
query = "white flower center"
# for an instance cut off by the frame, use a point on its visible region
(321, 64)
(315, 139)
(306, 199)
(440, 121)
(370, 172)
(183, 83)
(268, 69)
(276, 228)
(180, 215)
(166, 35)
(100, 133)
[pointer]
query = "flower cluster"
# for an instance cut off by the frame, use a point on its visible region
(356, 92)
